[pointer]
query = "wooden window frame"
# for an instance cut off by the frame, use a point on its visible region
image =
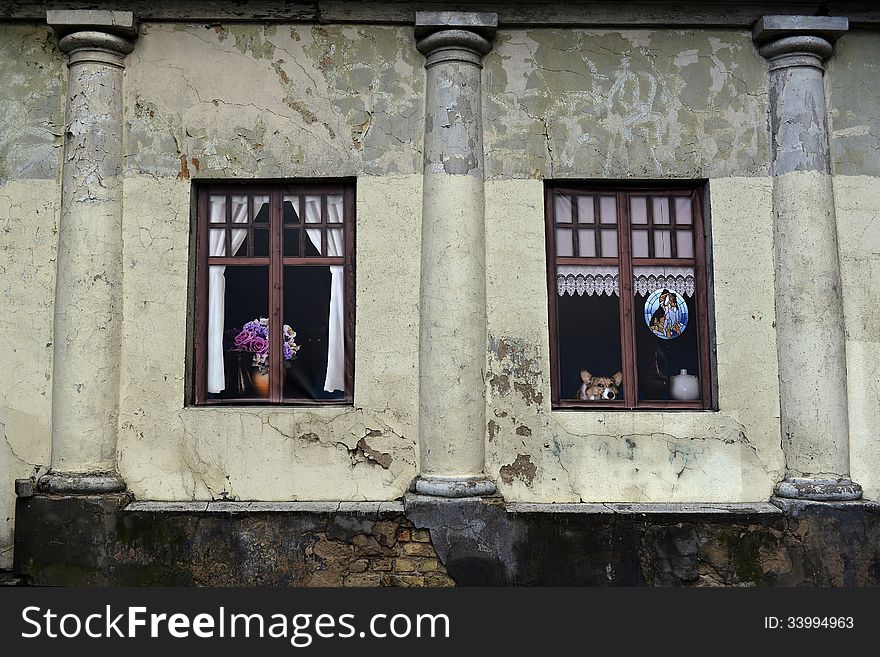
(276, 261)
(625, 263)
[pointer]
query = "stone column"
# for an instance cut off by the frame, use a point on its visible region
(452, 339)
(809, 309)
(88, 293)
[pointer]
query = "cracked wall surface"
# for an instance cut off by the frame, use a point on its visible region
(273, 101)
(538, 454)
(303, 102)
(249, 101)
(854, 104)
(620, 104)
(31, 123)
(854, 120)
(366, 452)
(253, 101)
(31, 109)
(857, 201)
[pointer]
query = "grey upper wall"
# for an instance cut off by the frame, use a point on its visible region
(244, 100)
(625, 103)
(347, 100)
(31, 104)
(853, 87)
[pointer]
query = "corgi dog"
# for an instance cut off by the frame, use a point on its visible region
(599, 388)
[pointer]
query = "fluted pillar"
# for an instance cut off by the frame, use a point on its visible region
(452, 339)
(809, 308)
(88, 293)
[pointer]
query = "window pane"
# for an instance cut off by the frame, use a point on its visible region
(239, 242)
(684, 244)
(335, 243)
(240, 209)
(334, 209)
(562, 210)
(313, 242)
(237, 341)
(588, 331)
(217, 208)
(638, 208)
(608, 210)
(661, 210)
(662, 244)
(683, 210)
(586, 210)
(609, 243)
(218, 242)
(290, 209)
(313, 209)
(291, 241)
(587, 243)
(666, 342)
(315, 355)
(261, 208)
(640, 243)
(261, 242)
(563, 242)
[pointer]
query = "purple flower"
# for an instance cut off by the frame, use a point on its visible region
(243, 339)
(254, 337)
(259, 345)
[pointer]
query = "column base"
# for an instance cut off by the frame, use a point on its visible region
(821, 490)
(82, 483)
(454, 486)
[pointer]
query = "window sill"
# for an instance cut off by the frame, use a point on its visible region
(667, 405)
(262, 401)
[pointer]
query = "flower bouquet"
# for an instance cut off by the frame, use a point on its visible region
(254, 338)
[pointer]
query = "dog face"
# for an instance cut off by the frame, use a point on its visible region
(599, 388)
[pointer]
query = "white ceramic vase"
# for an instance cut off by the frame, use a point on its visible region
(685, 386)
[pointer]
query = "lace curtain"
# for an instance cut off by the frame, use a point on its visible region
(587, 280)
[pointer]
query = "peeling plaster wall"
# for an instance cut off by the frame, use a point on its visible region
(365, 452)
(254, 101)
(31, 122)
(854, 104)
(537, 454)
(620, 104)
(854, 123)
(615, 105)
(857, 200)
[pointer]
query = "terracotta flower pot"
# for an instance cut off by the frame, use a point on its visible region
(261, 383)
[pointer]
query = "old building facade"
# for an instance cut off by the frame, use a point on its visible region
(445, 153)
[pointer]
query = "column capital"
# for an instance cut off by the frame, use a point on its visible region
(94, 35)
(798, 40)
(454, 36)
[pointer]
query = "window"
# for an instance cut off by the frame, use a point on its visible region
(628, 311)
(274, 260)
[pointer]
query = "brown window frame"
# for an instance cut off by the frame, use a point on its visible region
(276, 261)
(625, 262)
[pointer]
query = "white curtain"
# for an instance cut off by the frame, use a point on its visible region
(217, 282)
(335, 379)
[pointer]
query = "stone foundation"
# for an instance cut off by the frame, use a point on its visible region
(111, 541)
